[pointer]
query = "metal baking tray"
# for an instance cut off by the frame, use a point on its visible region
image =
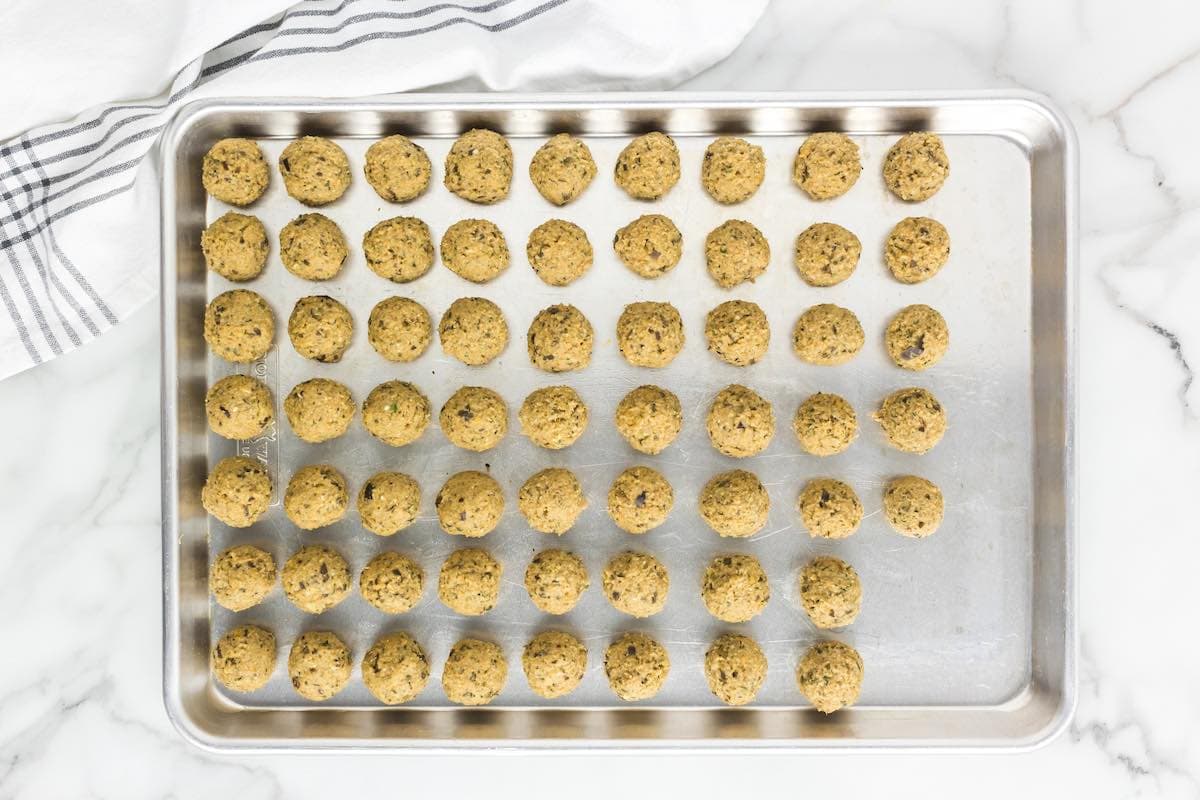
(968, 637)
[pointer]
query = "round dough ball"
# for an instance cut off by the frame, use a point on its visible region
(479, 167)
(320, 328)
(827, 165)
(830, 675)
(244, 658)
(235, 246)
(648, 166)
(826, 254)
(474, 418)
(559, 252)
(736, 252)
(636, 584)
(917, 248)
(315, 170)
(555, 580)
(395, 669)
(319, 665)
(830, 592)
(551, 500)
(553, 417)
(825, 424)
(916, 167)
(239, 407)
(399, 329)
(917, 337)
(313, 247)
(470, 504)
(474, 673)
(650, 334)
(398, 169)
(732, 170)
(235, 172)
(475, 249)
(473, 330)
(239, 326)
(399, 249)
(316, 496)
(389, 502)
(319, 410)
(737, 332)
(913, 506)
(242, 577)
(735, 588)
(912, 419)
(316, 578)
(741, 423)
(640, 499)
(560, 339)
(469, 582)
(649, 418)
(636, 667)
(650, 246)
(554, 663)
(237, 491)
(829, 509)
(827, 335)
(735, 503)
(562, 168)
(396, 413)
(392, 582)
(735, 668)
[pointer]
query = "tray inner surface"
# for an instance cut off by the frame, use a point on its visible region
(947, 622)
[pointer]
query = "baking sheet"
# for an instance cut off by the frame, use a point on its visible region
(968, 637)
(944, 619)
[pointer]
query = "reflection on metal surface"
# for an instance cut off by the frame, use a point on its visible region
(968, 637)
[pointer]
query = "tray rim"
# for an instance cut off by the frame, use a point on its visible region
(190, 113)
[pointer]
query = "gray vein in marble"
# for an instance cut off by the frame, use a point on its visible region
(39, 739)
(1102, 734)
(1002, 45)
(1150, 81)
(1159, 176)
(1177, 349)
(1158, 227)
(1171, 339)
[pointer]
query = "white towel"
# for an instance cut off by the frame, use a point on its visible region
(79, 199)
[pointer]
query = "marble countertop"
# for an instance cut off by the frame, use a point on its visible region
(80, 708)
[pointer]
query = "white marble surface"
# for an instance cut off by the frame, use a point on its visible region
(80, 713)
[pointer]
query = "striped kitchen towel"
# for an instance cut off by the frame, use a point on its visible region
(79, 199)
